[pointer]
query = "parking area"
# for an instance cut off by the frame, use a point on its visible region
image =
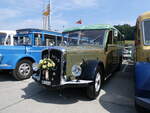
(116, 96)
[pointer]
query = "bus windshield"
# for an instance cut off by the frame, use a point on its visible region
(146, 29)
(2, 38)
(86, 37)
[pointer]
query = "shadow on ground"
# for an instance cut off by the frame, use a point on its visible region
(6, 76)
(118, 92)
(44, 95)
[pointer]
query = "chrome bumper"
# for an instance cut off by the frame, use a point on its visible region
(63, 82)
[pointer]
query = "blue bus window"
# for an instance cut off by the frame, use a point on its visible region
(2, 38)
(22, 41)
(37, 39)
(8, 41)
(50, 40)
(59, 40)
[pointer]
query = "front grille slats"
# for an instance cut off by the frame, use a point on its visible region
(54, 74)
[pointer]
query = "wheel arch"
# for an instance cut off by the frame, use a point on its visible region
(89, 69)
(26, 58)
(30, 58)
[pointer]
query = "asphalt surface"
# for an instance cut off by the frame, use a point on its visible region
(116, 96)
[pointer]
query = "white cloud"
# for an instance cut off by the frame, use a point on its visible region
(85, 3)
(58, 23)
(74, 4)
(8, 13)
(29, 23)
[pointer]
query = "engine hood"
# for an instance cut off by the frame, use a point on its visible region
(76, 49)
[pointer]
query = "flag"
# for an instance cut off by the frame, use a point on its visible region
(47, 11)
(79, 22)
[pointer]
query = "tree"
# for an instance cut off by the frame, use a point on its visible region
(127, 30)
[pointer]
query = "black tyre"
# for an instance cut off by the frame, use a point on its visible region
(94, 89)
(140, 109)
(23, 70)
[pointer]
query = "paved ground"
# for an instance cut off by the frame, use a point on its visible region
(27, 97)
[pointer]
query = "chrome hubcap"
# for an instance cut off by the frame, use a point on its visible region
(24, 69)
(97, 82)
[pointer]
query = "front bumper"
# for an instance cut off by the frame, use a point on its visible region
(63, 83)
(143, 102)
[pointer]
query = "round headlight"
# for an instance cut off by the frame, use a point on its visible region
(76, 70)
(35, 67)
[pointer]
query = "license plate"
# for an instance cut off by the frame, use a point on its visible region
(46, 82)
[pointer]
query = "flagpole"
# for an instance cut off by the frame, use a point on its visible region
(49, 17)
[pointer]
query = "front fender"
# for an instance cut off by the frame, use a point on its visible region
(89, 69)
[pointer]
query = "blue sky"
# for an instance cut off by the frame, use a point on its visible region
(17, 14)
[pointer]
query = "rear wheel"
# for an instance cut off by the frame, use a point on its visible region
(94, 89)
(23, 70)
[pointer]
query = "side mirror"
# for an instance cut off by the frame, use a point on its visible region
(115, 33)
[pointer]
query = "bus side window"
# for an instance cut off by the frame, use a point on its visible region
(37, 39)
(15, 41)
(27, 41)
(49, 40)
(8, 41)
(59, 40)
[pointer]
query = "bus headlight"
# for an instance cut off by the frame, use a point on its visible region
(35, 67)
(76, 70)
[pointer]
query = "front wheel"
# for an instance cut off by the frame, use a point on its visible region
(23, 70)
(94, 89)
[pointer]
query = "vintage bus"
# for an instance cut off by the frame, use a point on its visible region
(20, 51)
(91, 54)
(142, 65)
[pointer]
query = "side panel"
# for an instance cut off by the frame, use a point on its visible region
(12, 54)
(80, 55)
(142, 79)
(9, 55)
(35, 51)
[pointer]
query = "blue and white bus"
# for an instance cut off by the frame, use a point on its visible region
(25, 49)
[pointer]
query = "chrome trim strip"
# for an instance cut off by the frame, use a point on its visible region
(77, 82)
(4, 65)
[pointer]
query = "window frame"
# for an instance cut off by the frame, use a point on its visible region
(143, 32)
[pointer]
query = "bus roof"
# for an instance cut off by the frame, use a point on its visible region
(32, 30)
(91, 27)
(144, 16)
(8, 31)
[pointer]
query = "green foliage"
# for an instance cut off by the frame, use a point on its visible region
(127, 30)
